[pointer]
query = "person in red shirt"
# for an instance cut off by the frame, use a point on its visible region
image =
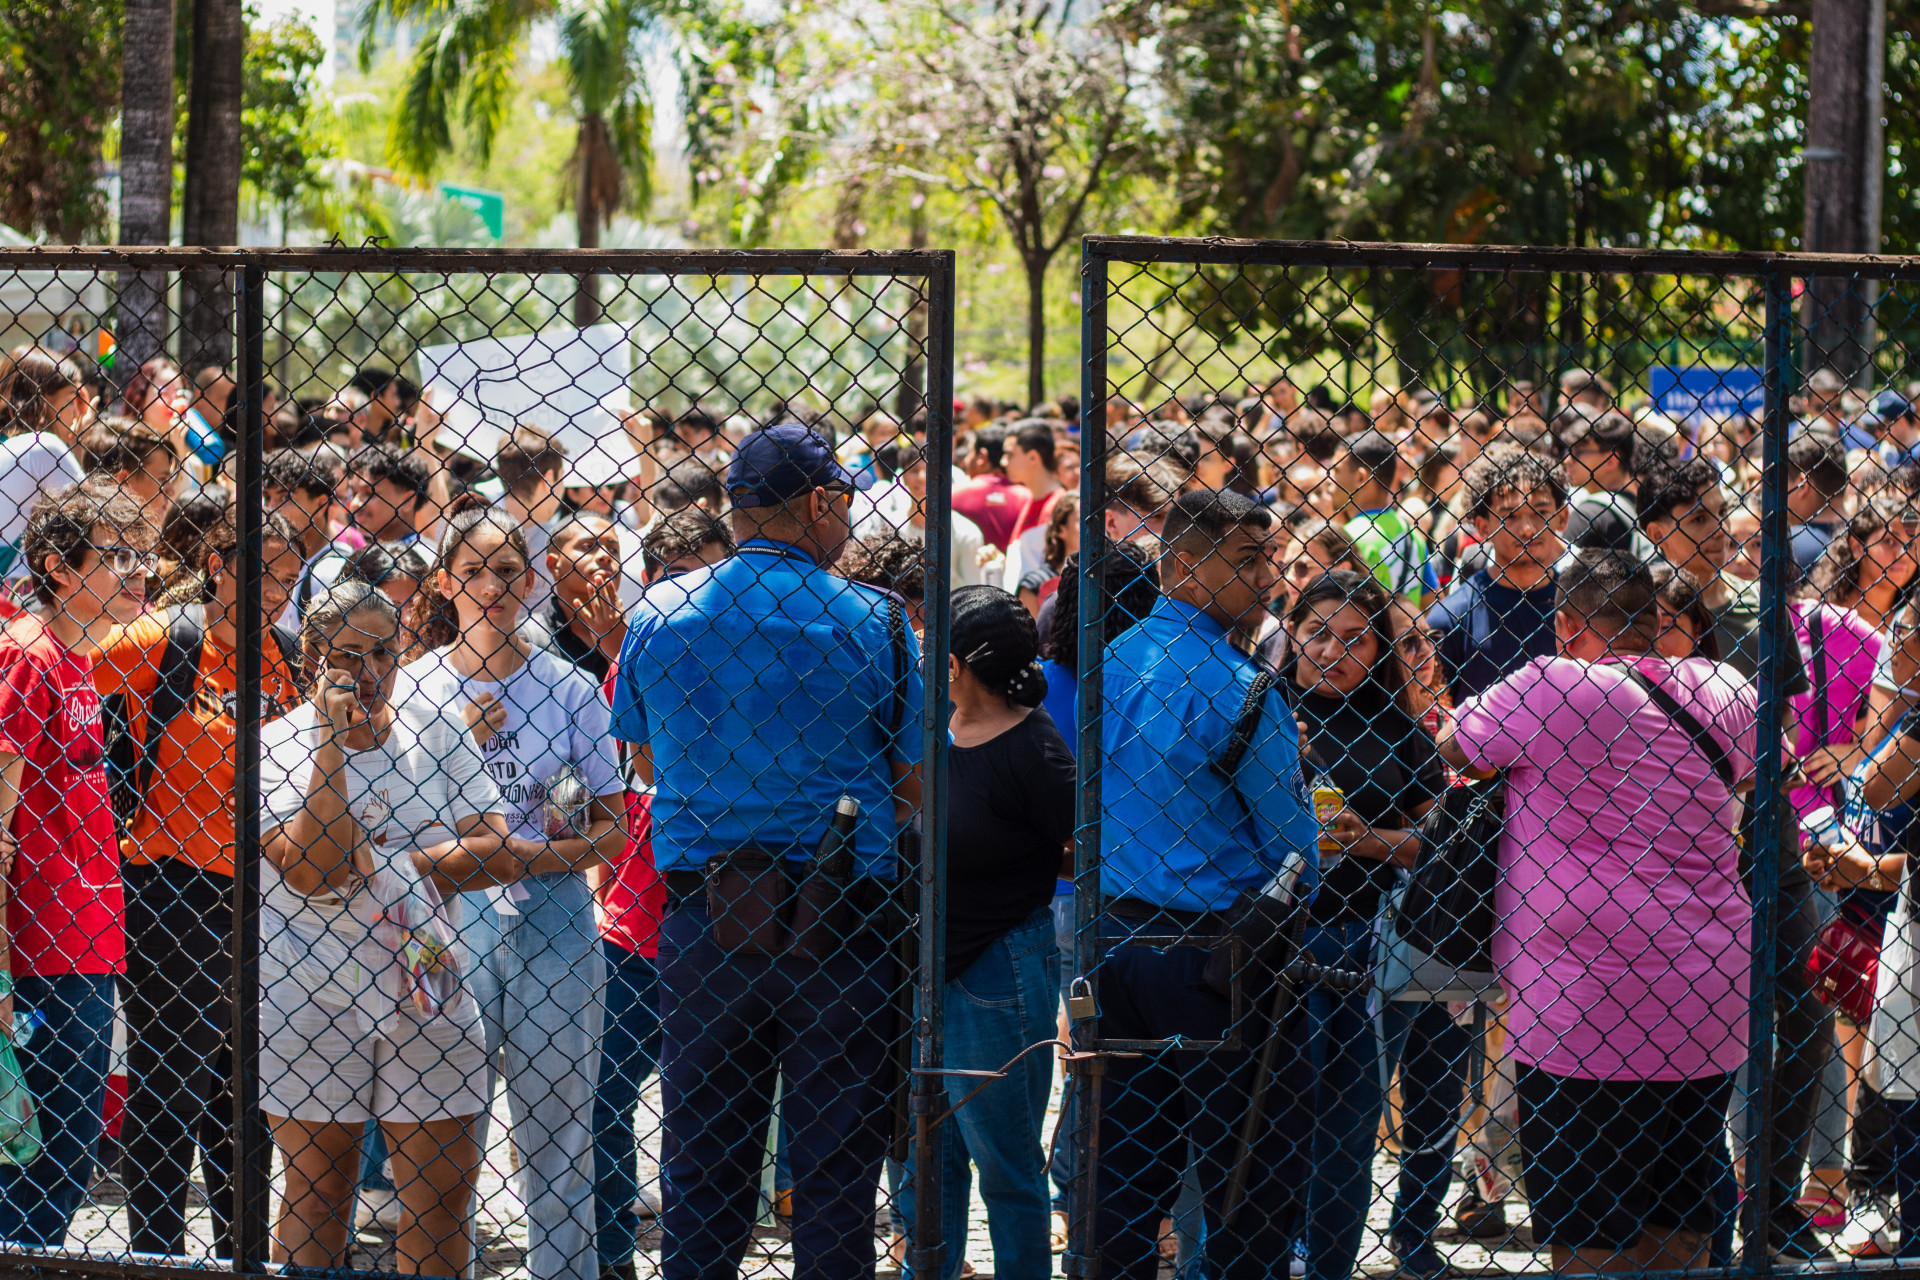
(89, 550)
(990, 499)
(1029, 455)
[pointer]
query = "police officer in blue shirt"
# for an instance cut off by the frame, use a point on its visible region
(1182, 838)
(758, 693)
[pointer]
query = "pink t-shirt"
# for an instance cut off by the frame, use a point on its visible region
(1852, 647)
(1624, 927)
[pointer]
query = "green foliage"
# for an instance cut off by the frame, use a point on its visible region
(284, 126)
(59, 94)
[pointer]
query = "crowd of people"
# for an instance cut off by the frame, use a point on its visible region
(571, 780)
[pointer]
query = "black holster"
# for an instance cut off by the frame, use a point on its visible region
(1269, 937)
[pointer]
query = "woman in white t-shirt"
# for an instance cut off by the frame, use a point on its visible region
(539, 972)
(378, 813)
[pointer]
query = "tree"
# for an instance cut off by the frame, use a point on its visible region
(146, 178)
(282, 125)
(210, 198)
(462, 74)
(59, 77)
(1023, 104)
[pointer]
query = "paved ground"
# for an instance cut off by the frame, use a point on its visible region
(503, 1227)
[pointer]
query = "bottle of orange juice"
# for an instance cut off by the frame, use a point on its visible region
(1327, 804)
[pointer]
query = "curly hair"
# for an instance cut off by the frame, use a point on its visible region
(888, 561)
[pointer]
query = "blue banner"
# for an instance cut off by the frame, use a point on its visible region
(1694, 394)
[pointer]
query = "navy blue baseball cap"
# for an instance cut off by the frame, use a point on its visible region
(1889, 406)
(780, 463)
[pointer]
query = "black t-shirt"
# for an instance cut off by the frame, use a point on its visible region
(1010, 814)
(1386, 764)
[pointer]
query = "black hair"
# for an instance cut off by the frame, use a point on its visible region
(377, 462)
(1377, 453)
(315, 471)
(1168, 442)
(190, 580)
(379, 563)
(1819, 457)
(888, 561)
(682, 534)
(1677, 484)
(992, 441)
(1386, 678)
(995, 638)
(1679, 593)
(1035, 435)
(1576, 423)
(1507, 468)
(687, 482)
(1211, 514)
(1835, 576)
(1613, 592)
(1130, 584)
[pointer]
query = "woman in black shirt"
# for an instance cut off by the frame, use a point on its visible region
(1011, 784)
(1348, 691)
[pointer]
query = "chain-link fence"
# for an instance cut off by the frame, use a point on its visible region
(492, 794)
(465, 766)
(1562, 600)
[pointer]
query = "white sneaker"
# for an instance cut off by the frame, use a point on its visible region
(1870, 1229)
(1298, 1267)
(378, 1209)
(646, 1204)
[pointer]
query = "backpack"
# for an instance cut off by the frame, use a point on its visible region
(130, 761)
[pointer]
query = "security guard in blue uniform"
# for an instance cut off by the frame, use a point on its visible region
(1184, 838)
(762, 694)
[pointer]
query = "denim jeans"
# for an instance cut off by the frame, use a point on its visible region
(539, 978)
(629, 1055)
(1345, 1099)
(1905, 1113)
(1003, 1002)
(65, 1061)
(1431, 1050)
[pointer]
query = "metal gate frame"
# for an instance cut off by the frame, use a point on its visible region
(248, 270)
(1777, 273)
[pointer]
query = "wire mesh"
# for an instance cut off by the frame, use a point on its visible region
(470, 761)
(1487, 639)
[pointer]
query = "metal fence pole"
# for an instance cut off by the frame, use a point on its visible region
(1081, 1259)
(930, 1091)
(1770, 810)
(250, 1230)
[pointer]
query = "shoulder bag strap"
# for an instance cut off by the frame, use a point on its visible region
(179, 677)
(897, 638)
(1226, 765)
(1708, 745)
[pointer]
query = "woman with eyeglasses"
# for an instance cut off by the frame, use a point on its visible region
(1347, 687)
(377, 814)
(177, 867)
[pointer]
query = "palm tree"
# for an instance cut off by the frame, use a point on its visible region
(146, 177)
(210, 196)
(464, 71)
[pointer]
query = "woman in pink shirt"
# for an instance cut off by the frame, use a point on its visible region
(1623, 923)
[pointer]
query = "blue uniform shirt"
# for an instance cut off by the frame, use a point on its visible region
(764, 686)
(1171, 832)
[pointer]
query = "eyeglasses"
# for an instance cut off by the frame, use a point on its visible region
(125, 560)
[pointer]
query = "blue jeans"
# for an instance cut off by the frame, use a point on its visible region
(1345, 1099)
(730, 1022)
(65, 1061)
(629, 1055)
(1432, 1051)
(1003, 1002)
(539, 978)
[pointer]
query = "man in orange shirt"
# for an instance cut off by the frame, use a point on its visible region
(175, 790)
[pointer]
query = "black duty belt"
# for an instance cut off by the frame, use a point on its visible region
(685, 884)
(1193, 923)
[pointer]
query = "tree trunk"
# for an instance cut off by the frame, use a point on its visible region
(586, 215)
(146, 179)
(1843, 163)
(210, 203)
(913, 391)
(1036, 330)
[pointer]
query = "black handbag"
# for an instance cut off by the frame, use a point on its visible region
(1448, 908)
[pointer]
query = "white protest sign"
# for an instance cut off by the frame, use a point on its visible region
(571, 383)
